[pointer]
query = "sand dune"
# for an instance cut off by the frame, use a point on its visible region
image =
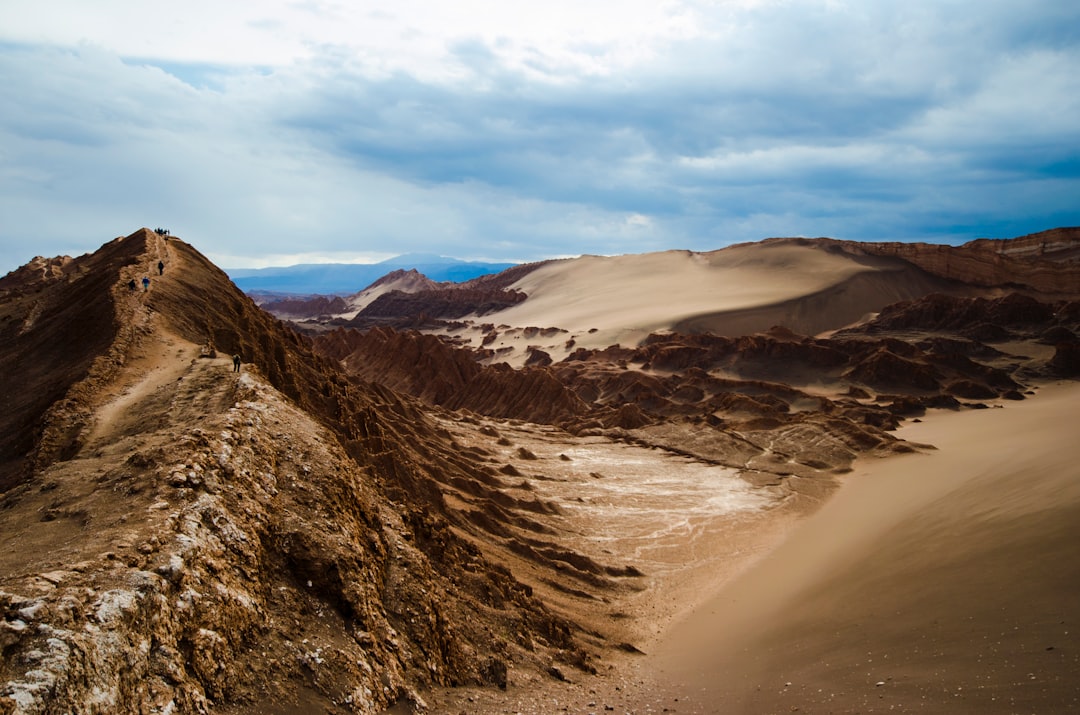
(809, 288)
(654, 290)
(939, 583)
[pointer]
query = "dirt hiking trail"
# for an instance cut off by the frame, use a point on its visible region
(81, 509)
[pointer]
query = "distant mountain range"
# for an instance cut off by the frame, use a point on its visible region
(349, 278)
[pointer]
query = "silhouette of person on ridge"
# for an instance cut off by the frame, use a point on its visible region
(132, 285)
(160, 268)
(236, 363)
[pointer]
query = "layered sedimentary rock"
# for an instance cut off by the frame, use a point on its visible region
(1047, 262)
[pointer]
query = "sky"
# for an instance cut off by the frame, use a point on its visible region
(270, 132)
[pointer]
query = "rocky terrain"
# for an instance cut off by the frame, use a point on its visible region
(427, 491)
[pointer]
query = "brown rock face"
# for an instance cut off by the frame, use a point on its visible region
(950, 313)
(421, 365)
(440, 374)
(1046, 262)
(448, 303)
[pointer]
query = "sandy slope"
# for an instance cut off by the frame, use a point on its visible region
(652, 291)
(941, 583)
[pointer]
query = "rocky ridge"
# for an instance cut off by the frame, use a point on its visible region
(1047, 262)
(182, 538)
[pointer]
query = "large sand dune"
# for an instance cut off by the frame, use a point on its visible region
(809, 286)
(656, 291)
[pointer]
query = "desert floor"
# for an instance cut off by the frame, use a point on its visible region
(941, 581)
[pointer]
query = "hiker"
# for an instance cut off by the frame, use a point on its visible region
(236, 363)
(146, 283)
(160, 268)
(132, 285)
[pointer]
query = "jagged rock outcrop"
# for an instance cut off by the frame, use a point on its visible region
(416, 364)
(738, 385)
(317, 306)
(443, 375)
(448, 303)
(533, 394)
(958, 314)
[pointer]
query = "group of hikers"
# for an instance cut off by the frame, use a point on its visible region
(133, 286)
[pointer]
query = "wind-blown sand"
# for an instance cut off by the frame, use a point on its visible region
(617, 295)
(945, 582)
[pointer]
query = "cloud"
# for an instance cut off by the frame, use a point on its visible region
(486, 130)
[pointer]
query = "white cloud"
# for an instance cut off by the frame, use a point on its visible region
(502, 131)
(1023, 97)
(411, 35)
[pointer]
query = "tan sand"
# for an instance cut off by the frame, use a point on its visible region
(653, 291)
(639, 293)
(946, 582)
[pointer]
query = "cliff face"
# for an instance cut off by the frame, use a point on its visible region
(180, 537)
(1058, 245)
(1046, 262)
